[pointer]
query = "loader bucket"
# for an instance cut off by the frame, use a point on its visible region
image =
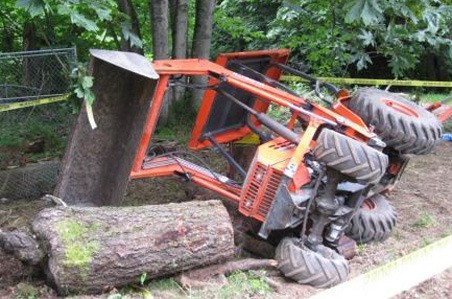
(97, 163)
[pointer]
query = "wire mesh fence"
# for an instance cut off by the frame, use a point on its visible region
(32, 139)
(30, 75)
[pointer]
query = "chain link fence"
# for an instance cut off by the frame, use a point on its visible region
(37, 74)
(32, 139)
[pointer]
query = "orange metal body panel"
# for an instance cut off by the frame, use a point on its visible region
(276, 56)
(151, 123)
(168, 166)
(275, 158)
(441, 111)
(445, 115)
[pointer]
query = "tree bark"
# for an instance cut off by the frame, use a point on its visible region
(93, 249)
(180, 31)
(159, 18)
(127, 7)
(180, 34)
(97, 163)
(160, 25)
(201, 41)
(30, 66)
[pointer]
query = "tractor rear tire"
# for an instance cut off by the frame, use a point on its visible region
(374, 220)
(321, 269)
(402, 124)
(350, 157)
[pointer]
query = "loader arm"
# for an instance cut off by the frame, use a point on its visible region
(199, 67)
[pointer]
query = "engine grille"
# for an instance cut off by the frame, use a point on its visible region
(259, 192)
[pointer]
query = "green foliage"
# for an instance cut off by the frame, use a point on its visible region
(26, 291)
(332, 36)
(48, 124)
(361, 248)
(366, 10)
(82, 84)
(244, 285)
(85, 24)
(425, 220)
(242, 25)
(143, 278)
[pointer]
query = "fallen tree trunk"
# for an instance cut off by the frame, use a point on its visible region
(92, 249)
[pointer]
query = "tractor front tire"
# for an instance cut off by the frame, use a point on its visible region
(374, 220)
(322, 268)
(350, 157)
(402, 124)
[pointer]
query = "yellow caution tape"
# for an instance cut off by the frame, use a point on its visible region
(397, 276)
(19, 105)
(250, 139)
(365, 81)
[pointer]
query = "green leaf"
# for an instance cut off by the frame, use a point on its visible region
(64, 8)
(87, 82)
(133, 39)
(103, 13)
(89, 96)
(366, 10)
(363, 61)
(367, 37)
(143, 278)
(33, 7)
(79, 92)
(81, 21)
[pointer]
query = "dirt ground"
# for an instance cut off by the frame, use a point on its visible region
(422, 201)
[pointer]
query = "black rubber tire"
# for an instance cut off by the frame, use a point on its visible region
(374, 220)
(408, 134)
(320, 269)
(350, 157)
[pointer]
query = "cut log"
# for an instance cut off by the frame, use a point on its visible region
(93, 249)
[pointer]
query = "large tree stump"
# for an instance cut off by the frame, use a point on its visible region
(97, 163)
(92, 249)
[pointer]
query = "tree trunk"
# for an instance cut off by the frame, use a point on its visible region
(180, 34)
(93, 249)
(30, 65)
(201, 40)
(160, 25)
(97, 163)
(127, 7)
(7, 40)
(180, 31)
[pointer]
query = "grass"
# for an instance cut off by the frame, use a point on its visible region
(244, 285)
(240, 284)
(360, 248)
(425, 220)
(48, 124)
(435, 97)
(26, 291)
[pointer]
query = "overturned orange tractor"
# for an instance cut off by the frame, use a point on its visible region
(320, 176)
